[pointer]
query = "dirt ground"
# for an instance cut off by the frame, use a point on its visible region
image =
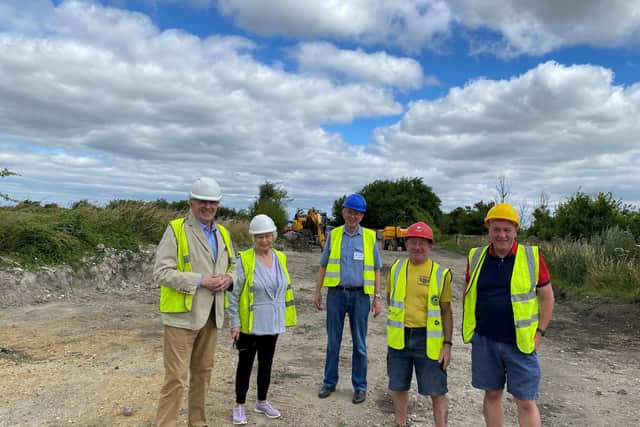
(94, 359)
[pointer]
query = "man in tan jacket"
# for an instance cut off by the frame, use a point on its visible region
(194, 267)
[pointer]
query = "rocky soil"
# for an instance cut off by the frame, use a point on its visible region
(85, 350)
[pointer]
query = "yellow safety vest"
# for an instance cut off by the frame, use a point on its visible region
(245, 302)
(332, 274)
(396, 314)
(171, 300)
(524, 299)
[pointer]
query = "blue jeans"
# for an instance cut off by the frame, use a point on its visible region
(357, 304)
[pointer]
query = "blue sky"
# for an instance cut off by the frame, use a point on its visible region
(113, 99)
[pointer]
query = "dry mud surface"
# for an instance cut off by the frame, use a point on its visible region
(94, 359)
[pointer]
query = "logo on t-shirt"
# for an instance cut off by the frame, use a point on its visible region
(423, 280)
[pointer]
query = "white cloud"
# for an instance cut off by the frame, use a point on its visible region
(410, 25)
(554, 128)
(522, 27)
(538, 27)
(98, 103)
(377, 68)
(156, 107)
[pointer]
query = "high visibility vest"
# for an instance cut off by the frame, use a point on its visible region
(245, 302)
(172, 301)
(396, 314)
(524, 299)
(332, 274)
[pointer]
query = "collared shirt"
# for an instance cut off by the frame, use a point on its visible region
(351, 270)
(211, 237)
(494, 312)
(213, 243)
(543, 273)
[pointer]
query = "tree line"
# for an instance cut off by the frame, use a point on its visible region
(406, 200)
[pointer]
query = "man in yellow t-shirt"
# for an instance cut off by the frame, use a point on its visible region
(419, 327)
(418, 277)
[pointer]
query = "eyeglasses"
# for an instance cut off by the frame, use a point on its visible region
(207, 202)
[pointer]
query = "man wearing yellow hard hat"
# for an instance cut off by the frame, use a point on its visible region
(508, 304)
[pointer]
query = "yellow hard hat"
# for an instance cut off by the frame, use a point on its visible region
(502, 211)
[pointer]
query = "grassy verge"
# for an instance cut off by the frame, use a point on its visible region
(34, 235)
(605, 266)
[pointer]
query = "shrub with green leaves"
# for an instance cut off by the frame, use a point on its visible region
(606, 265)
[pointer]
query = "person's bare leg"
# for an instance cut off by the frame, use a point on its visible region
(440, 410)
(528, 413)
(400, 406)
(492, 408)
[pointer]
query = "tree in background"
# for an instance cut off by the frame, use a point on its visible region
(467, 220)
(503, 188)
(401, 202)
(336, 211)
(543, 225)
(271, 201)
(583, 216)
(631, 220)
(4, 173)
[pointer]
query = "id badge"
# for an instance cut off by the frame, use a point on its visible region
(358, 256)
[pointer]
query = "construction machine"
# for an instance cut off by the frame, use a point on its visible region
(393, 237)
(307, 229)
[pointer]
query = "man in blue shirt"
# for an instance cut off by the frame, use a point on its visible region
(350, 268)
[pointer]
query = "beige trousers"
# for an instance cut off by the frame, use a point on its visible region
(187, 355)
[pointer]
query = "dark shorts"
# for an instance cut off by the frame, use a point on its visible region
(493, 363)
(432, 380)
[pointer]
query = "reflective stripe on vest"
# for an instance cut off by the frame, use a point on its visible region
(171, 300)
(524, 299)
(332, 274)
(396, 314)
(245, 302)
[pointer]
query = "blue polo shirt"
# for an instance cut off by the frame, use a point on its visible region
(494, 312)
(351, 270)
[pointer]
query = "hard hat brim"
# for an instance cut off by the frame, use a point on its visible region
(205, 198)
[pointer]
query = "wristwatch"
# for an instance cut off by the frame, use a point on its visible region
(542, 331)
(378, 296)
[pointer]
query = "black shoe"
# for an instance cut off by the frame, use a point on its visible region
(359, 396)
(325, 391)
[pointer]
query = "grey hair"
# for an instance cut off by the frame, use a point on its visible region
(275, 236)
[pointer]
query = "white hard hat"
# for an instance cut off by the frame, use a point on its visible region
(206, 189)
(261, 224)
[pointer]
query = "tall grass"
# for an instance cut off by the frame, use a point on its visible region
(33, 235)
(607, 265)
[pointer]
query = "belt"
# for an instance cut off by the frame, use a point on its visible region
(350, 288)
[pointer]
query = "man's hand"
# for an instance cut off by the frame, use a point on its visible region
(235, 334)
(317, 299)
(445, 356)
(216, 282)
(537, 339)
(376, 307)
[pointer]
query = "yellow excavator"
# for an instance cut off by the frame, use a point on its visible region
(393, 238)
(307, 229)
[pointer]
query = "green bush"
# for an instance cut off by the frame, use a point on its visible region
(35, 235)
(607, 265)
